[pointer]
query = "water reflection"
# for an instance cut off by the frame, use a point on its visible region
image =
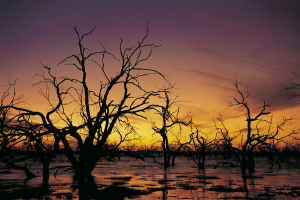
(244, 176)
(202, 173)
(133, 179)
(84, 186)
(164, 190)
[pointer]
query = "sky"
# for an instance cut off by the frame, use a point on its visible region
(205, 47)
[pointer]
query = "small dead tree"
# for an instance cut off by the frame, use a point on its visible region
(10, 138)
(225, 141)
(179, 144)
(169, 119)
(19, 131)
(200, 144)
(274, 136)
(39, 141)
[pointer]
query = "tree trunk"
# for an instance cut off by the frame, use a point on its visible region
(247, 161)
(244, 162)
(166, 152)
(46, 173)
(202, 158)
(166, 159)
(250, 162)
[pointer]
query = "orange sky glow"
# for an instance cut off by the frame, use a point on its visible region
(205, 47)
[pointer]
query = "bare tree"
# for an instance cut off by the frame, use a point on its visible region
(255, 135)
(179, 144)
(19, 131)
(225, 140)
(169, 119)
(41, 142)
(10, 138)
(126, 134)
(200, 144)
(87, 114)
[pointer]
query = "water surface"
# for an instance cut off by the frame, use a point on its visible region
(128, 178)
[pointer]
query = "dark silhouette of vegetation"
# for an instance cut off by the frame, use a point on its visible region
(255, 136)
(19, 132)
(88, 123)
(200, 144)
(10, 138)
(180, 144)
(169, 119)
(252, 139)
(224, 143)
(97, 112)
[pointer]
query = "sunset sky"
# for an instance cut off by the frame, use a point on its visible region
(206, 46)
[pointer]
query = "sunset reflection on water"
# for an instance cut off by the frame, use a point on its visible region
(184, 181)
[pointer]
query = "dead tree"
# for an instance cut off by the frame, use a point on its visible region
(179, 144)
(200, 144)
(19, 131)
(39, 141)
(96, 108)
(255, 135)
(169, 119)
(10, 138)
(126, 134)
(225, 141)
(247, 160)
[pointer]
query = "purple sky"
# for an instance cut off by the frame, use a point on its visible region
(206, 45)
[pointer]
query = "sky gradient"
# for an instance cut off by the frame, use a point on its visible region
(206, 46)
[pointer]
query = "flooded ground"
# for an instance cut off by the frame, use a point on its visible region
(134, 179)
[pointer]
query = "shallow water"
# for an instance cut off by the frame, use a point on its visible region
(184, 181)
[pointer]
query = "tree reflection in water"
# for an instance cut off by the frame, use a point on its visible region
(132, 179)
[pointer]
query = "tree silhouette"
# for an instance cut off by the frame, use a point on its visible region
(225, 140)
(255, 136)
(83, 116)
(200, 144)
(41, 142)
(169, 119)
(19, 131)
(10, 137)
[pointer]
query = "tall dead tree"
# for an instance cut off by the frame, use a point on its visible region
(247, 160)
(255, 135)
(88, 113)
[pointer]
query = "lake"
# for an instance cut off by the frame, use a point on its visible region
(128, 178)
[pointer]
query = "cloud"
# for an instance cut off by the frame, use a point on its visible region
(222, 56)
(265, 72)
(212, 79)
(212, 76)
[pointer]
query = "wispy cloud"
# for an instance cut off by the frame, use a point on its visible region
(212, 79)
